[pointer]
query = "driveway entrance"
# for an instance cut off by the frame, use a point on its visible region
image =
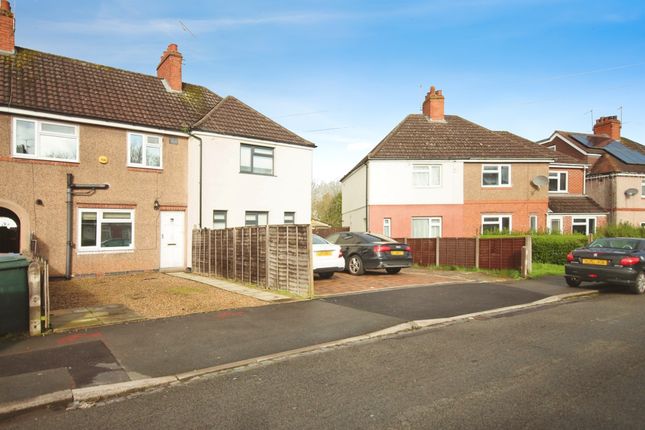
(343, 283)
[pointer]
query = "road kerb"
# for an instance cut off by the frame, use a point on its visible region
(80, 397)
(57, 398)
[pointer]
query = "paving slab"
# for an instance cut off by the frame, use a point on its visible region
(263, 295)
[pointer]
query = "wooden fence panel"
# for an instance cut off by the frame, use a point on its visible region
(273, 257)
(424, 251)
(457, 251)
(502, 253)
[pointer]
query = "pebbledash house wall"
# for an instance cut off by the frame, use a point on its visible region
(225, 188)
(460, 202)
(24, 181)
(609, 192)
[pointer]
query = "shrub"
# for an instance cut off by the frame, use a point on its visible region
(620, 230)
(553, 248)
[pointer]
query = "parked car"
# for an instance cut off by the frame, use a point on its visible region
(614, 260)
(327, 257)
(372, 251)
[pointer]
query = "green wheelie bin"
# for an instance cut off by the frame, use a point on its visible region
(14, 294)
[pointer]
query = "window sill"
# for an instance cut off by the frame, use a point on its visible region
(258, 174)
(46, 161)
(105, 251)
(145, 169)
(488, 187)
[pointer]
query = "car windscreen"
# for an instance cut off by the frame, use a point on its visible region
(615, 242)
(373, 237)
(317, 240)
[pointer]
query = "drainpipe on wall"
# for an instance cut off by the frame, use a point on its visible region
(71, 186)
(201, 157)
(367, 196)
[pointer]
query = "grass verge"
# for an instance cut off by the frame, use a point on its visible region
(546, 269)
(504, 273)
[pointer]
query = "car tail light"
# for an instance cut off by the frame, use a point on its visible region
(629, 261)
(381, 248)
(407, 248)
(570, 257)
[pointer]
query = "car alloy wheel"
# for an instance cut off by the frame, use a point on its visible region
(639, 286)
(355, 265)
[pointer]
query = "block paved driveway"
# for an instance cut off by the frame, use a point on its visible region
(343, 283)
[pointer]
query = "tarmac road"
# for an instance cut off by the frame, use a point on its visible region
(575, 365)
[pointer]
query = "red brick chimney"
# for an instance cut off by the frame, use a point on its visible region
(169, 68)
(609, 125)
(7, 29)
(433, 105)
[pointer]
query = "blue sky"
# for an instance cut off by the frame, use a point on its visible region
(343, 73)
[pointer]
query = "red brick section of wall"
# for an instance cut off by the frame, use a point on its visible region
(7, 37)
(499, 253)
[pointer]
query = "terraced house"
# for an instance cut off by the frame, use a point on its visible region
(616, 176)
(439, 175)
(106, 170)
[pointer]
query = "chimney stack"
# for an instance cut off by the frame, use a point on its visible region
(169, 68)
(7, 28)
(609, 125)
(433, 105)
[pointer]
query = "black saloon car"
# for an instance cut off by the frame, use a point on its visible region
(614, 260)
(371, 251)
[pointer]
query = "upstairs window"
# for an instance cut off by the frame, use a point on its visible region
(45, 140)
(496, 175)
(144, 150)
(425, 175)
(558, 182)
(256, 159)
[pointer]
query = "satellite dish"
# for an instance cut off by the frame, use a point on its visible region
(540, 181)
(631, 192)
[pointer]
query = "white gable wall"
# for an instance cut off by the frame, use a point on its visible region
(354, 209)
(225, 188)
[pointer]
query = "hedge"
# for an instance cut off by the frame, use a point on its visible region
(620, 230)
(553, 248)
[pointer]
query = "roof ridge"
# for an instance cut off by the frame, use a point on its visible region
(209, 113)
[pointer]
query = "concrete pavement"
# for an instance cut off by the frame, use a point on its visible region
(178, 346)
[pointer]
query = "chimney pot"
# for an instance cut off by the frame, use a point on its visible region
(169, 68)
(433, 105)
(7, 29)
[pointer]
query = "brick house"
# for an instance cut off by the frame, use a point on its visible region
(442, 175)
(139, 135)
(616, 176)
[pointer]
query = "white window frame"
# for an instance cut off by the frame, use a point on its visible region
(97, 248)
(387, 227)
(37, 137)
(533, 220)
(499, 221)
(643, 188)
(145, 144)
(430, 219)
(585, 223)
(560, 221)
(557, 175)
(498, 171)
(425, 169)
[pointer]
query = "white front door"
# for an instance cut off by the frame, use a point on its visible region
(172, 239)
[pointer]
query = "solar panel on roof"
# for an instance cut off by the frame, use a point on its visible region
(625, 154)
(583, 138)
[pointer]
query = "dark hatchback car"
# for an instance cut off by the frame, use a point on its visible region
(614, 260)
(372, 251)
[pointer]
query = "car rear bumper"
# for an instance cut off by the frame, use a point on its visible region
(389, 263)
(619, 276)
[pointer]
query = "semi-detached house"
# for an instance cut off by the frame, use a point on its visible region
(139, 155)
(437, 175)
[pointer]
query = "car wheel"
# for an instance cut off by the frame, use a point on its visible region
(393, 270)
(639, 286)
(573, 282)
(355, 265)
(326, 275)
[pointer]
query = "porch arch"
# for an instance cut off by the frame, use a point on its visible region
(12, 210)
